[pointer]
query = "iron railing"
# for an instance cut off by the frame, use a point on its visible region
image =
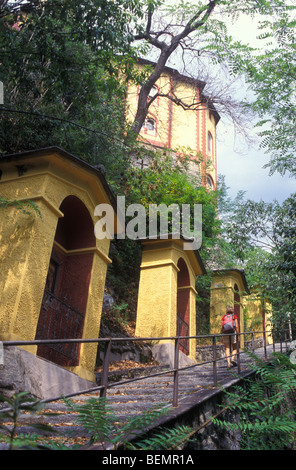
(107, 342)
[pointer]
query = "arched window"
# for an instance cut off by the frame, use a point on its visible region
(210, 182)
(149, 125)
(210, 144)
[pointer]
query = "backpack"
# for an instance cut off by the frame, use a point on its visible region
(228, 323)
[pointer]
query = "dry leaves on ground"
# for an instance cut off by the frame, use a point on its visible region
(126, 364)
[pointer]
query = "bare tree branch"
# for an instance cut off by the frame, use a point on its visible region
(166, 50)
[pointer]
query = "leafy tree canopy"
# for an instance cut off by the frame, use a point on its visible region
(63, 79)
(261, 236)
(272, 77)
(168, 181)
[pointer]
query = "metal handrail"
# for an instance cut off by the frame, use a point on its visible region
(175, 370)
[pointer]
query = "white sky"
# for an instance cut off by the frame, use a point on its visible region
(244, 171)
(243, 167)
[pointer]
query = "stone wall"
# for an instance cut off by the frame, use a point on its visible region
(23, 371)
(197, 413)
(205, 353)
(211, 437)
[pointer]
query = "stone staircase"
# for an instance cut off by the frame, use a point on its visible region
(130, 399)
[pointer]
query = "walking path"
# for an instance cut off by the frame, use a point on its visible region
(130, 399)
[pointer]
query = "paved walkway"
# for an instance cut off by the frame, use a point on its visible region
(130, 399)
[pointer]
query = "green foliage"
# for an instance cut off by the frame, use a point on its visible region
(285, 233)
(121, 312)
(265, 407)
(167, 440)
(203, 299)
(24, 206)
(167, 181)
(271, 74)
(10, 421)
(97, 418)
(102, 426)
(261, 239)
(64, 80)
(64, 65)
(124, 272)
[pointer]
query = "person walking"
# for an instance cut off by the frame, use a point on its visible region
(229, 327)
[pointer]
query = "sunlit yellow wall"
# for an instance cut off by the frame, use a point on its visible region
(222, 295)
(258, 309)
(254, 313)
(268, 322)
(26, 243)
(157, 297)
(176, 128)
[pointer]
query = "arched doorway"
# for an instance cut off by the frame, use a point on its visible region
(66, 292)
(237, 302)
(183, 305)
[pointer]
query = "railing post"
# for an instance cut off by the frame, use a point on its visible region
(104, 378)
(176, 373)
(215, 361)
(238, 353)
(273, 341)
(281, 342)
(264, 343)
(253, 342)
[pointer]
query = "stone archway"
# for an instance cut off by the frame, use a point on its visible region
(167, 291)
(65, 297)
(183, 305)
(229, 287)
(66, 191)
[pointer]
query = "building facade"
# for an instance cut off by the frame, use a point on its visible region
(180, 118)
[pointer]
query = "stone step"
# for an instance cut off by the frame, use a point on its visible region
(130, 399)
